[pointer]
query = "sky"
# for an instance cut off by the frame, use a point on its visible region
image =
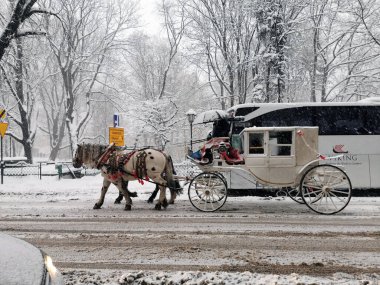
(150, 17)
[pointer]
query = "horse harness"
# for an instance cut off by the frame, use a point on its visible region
(114, 163)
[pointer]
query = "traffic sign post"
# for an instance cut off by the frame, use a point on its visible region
(116, 120)
(3, 130)
(2, 162)
(3, 114)
(116, 136)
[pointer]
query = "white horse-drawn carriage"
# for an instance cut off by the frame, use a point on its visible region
(285, 157)
(275, 156)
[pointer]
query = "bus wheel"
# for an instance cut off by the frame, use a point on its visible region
(326, 189)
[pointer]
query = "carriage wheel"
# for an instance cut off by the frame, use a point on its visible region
(326, 189)
(295, 194)
(208, 191)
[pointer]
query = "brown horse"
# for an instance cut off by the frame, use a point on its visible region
(118, 166)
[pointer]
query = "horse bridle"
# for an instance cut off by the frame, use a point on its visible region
(78, 156)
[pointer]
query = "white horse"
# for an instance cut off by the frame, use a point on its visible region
(118, 166)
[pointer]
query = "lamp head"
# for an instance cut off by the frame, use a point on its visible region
(191, 115)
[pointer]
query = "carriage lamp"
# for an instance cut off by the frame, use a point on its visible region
(190, 117)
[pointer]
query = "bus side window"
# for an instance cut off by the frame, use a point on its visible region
(372, 120)
(256, 143)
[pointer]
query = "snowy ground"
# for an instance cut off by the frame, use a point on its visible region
(253, 240)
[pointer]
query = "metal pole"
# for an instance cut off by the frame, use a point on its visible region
(191, 136)
(2, 162)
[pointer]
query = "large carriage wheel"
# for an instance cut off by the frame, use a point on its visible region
(208, 191)
(295, 194)
(326, 189)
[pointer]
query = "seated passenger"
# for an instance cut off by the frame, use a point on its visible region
(230, 154)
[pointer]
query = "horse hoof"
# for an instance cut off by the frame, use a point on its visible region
(150, 201)
(96, 206)
(128, 207)
(117, 201)
(171, 202)
(165, 203)
(133, 194)
(158, 207)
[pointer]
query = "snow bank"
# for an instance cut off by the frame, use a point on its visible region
(74, 277)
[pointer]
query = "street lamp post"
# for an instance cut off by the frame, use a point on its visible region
(190, 117)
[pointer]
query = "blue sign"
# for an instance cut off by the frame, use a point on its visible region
(116, 121)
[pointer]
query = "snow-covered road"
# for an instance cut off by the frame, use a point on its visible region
(252, 240)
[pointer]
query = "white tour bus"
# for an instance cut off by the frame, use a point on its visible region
(350, 129)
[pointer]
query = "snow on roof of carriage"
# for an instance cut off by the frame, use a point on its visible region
(210, 116)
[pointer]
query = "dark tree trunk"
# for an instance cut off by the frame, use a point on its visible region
(313, 97)
(25, 124)
(324, 83)
(267, 86)
(59, 131)
(20, 14)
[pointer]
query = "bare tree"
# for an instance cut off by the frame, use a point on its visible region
(91, 31)
(151, 63)
(22, 82)
(21, 11)
(52, 101)
(17, 20)
(244, 44)
(369, 12)
(343, 59)
(224, 31)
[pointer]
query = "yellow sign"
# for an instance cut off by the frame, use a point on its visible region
(3, 129)
(3, 114)
(116, 135)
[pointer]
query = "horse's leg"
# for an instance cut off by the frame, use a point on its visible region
(106, 185)
(128, 200)
(175, 191)
(120, 197)
(154, 194)
(162, 200)
(173, 195)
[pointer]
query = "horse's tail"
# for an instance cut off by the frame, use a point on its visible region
(173, 183)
